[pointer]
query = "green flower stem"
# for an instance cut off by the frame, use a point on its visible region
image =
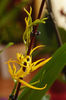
(17, 91)
(14, 89)
(35, 27)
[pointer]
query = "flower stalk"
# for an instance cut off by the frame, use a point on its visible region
(36, 27)
(31, 44)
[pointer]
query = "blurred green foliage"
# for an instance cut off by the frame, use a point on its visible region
(10, 28)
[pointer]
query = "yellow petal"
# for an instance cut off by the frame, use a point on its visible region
(10, 69)
(27, 12)
(30, 10)
(41, 64)
(19, 73)
(19, 57)
(26, 22)
(30, 86)
(14, 69)
(36, 48)
(34, 64)
(12, 61)
(34, 83)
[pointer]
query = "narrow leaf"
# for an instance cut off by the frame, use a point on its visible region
(51, 69)
(8, 45)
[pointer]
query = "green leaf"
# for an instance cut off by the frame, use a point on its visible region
(63, 34)
(51, 69)
(8, 45)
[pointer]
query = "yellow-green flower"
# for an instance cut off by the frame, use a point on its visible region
(29, 26)
(26, 66)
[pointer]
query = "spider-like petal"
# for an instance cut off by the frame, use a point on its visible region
(36, 48)
(29, 14)
(19, 56)
(34, 83)
(30, 10)
(41, 64)
(34, 64)
(19, 73)
(26, 21)
(14, 68)
(12, 61)
(10, 69)
(30, 86)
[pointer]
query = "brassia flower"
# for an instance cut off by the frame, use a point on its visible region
(29, 26)
(26, 66)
